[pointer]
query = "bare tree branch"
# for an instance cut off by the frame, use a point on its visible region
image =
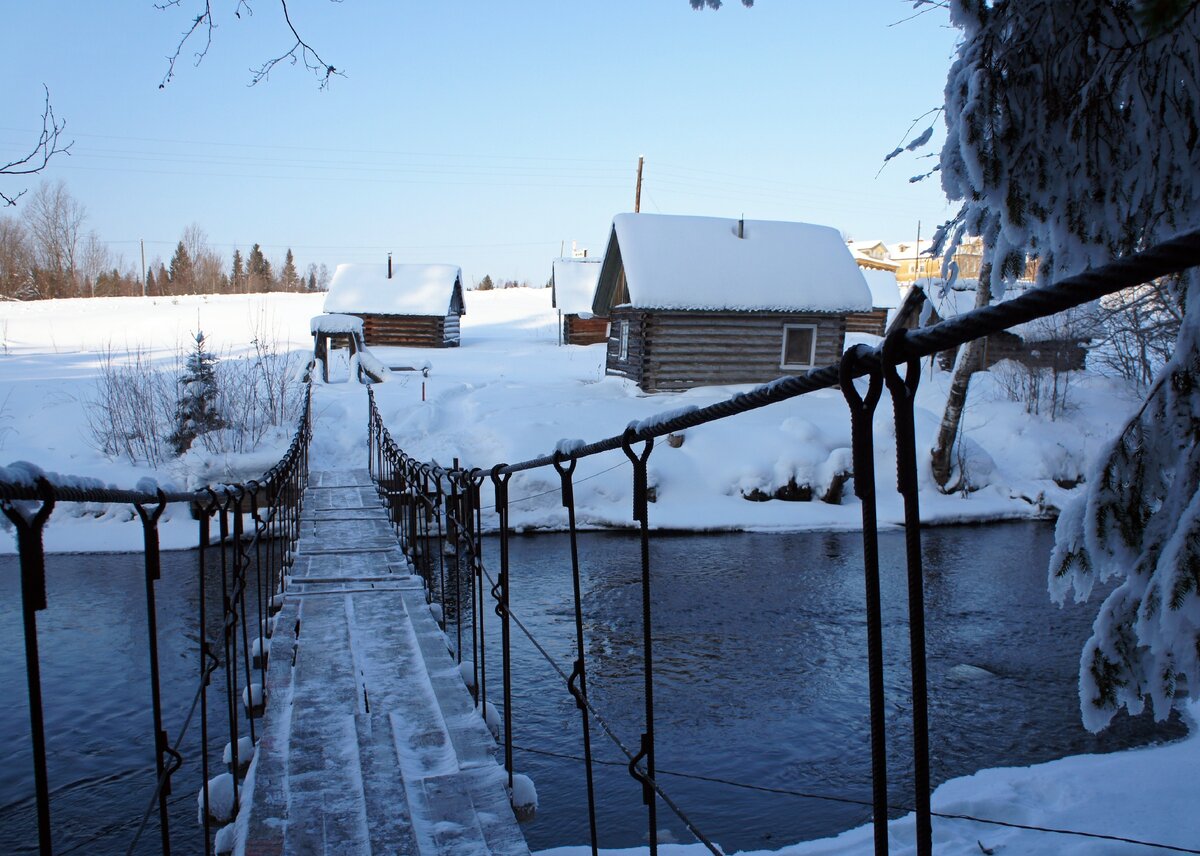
(47, 146)
(203, 21)
(300, 51)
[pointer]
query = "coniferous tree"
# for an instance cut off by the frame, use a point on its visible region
(151, 284)
(237, 277)
(485, 284)
(182, 274)
(258, 270)
(196, 410)
(1087, 154)
(288, 277)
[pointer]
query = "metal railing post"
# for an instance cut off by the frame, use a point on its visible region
(642, 515)
(33, 600)
(862, 409)
(903, 392)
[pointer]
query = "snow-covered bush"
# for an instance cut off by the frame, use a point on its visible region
(129, 416)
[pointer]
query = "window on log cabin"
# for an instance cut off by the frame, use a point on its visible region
(623, 352)
(799, 346)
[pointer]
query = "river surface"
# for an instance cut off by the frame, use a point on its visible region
(760, 678)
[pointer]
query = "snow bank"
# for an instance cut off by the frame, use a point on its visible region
(1139, 793)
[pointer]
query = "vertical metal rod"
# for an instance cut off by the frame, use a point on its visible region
(455, 534)
(33, 600)
(903, 392)
(482, 597)
(579, 672)
(861, 411)
(153, 573)
(500, 482)
(240, 566)
(642, 515)
(227, 636)
(204, 672)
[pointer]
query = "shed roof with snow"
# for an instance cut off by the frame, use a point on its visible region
(714, 263)
(575, 285)
(413, 289)
(885, 291)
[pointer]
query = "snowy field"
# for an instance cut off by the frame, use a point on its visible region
(510, 392)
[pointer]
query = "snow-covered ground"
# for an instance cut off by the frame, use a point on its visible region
(510, 392)
(1140, 794)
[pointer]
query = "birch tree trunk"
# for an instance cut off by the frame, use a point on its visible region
(968, 362)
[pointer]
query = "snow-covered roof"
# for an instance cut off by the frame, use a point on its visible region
(575, 284)
(908, 249)
(336, 324)
(678, 262)
(885, 292)
(412, 290)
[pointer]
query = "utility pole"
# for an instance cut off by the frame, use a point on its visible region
(637, 196)
(142, 241)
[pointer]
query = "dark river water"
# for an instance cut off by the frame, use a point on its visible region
(760, 679)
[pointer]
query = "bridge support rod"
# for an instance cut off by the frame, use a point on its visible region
(862, 409)
(33, 600)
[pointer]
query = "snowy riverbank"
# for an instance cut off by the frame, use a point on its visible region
(509, 393)
(1141, 794)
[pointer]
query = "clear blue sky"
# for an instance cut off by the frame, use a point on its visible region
(477, 132)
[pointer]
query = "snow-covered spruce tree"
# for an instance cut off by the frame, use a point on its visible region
(196, 412)
(1073, 135)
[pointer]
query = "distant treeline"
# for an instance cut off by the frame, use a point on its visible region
(46, 252)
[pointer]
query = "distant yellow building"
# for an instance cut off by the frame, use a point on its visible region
(912, 262)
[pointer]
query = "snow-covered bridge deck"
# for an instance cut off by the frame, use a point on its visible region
(371, 743)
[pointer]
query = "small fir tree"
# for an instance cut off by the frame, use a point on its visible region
(485, 284)
(289, 277)
(181, 269)
(196, 411)
(237, 277)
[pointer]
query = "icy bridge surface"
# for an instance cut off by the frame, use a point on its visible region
(371, 742)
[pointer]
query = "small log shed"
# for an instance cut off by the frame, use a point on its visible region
(573, 288)
(702, 301)
(416, 305)
(885, 300)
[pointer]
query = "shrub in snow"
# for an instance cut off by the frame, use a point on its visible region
(196, 412)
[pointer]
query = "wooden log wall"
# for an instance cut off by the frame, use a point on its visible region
(681, 350)
(584, 331)
(413, 330)
(873, 322)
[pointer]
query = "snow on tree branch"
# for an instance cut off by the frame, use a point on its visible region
(204, 22)
(715, 4)
(48, 145)
(1072, 135)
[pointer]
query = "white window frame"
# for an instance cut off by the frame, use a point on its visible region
(623, 344)
(812, 355)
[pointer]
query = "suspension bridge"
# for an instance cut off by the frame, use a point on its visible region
(350, 628)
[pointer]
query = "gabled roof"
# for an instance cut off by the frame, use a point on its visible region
(575, 284)
(700, 263)
(412, 290)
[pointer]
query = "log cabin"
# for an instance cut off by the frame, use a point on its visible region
(702, 301)
(417, 305)
(573, 288)
(885, 300)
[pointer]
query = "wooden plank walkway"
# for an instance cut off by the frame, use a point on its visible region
(371, 743)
